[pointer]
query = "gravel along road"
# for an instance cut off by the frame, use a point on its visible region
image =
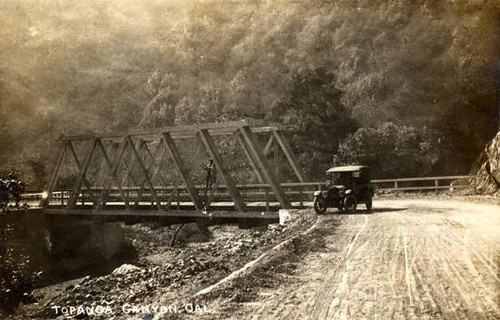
(407, 259)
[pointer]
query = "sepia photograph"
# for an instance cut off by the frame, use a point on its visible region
(249, 159)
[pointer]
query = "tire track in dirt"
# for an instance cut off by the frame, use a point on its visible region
(321, 310)
(415, 259)
(475, 265)
(407, 271)
(452, 258)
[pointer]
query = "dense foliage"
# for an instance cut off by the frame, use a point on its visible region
(11, 188)
(326, 68)
(392, 151)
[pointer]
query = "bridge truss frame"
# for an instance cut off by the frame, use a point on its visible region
(244, 131)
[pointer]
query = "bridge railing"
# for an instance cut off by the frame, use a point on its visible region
(296, 191)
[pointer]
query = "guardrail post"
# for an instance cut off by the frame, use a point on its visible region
(301, 197)
(267, 200)
(178, 199)
(395, 184)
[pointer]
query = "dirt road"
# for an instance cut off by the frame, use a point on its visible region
(408, 259)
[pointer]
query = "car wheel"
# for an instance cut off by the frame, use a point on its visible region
(369, 205)
(319, 205)
(350, 203)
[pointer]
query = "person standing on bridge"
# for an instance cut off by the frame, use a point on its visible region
(211, 180)
(211, 174)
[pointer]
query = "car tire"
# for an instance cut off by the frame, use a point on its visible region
(350, 203)
(369, 204)
(319, 205)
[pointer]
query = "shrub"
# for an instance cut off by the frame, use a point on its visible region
(390, 150)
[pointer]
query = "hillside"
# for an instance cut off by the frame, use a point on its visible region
(423, 69)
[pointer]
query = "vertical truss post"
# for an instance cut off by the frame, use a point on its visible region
(53, 179)
(228, 181)
(142, 186)
(181, 168)
(276, 161)
(172, 195)
(262, 163)
(289, 155)
(143, 168)
(249, 157)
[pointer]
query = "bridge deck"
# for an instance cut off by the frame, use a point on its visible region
(164, 213)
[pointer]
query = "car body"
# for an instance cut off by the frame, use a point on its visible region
(347, 186)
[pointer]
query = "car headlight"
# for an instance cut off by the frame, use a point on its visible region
(324, 193)
(342, 193)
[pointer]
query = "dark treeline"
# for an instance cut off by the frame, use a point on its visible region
(407, 86)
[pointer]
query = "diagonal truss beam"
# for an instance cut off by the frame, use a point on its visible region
(261, 162)
(153, 165)
(53, 179)
(145, 172)
(287, 150)
(142, 186)
(114, 170)
(78, 184)
(269, 144)
(255, 169)
(183, 170)
(129, 168)
(205, 137)
(79, 166)
(110, 166)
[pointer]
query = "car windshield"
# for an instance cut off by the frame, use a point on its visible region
(341, 178)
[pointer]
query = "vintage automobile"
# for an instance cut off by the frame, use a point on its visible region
(346, 187)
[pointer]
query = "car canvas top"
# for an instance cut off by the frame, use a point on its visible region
(346, 169)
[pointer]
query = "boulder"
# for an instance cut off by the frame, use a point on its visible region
(486, 170)
(193, 232)
(284, 216)
(125, 268)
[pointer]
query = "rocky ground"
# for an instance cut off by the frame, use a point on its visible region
(163, 273)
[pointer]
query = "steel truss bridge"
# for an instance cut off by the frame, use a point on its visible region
(124, 174)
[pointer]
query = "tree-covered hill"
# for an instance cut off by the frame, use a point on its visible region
(344, 75)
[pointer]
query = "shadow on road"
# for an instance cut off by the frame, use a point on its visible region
(358, 212)
(375, 210)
